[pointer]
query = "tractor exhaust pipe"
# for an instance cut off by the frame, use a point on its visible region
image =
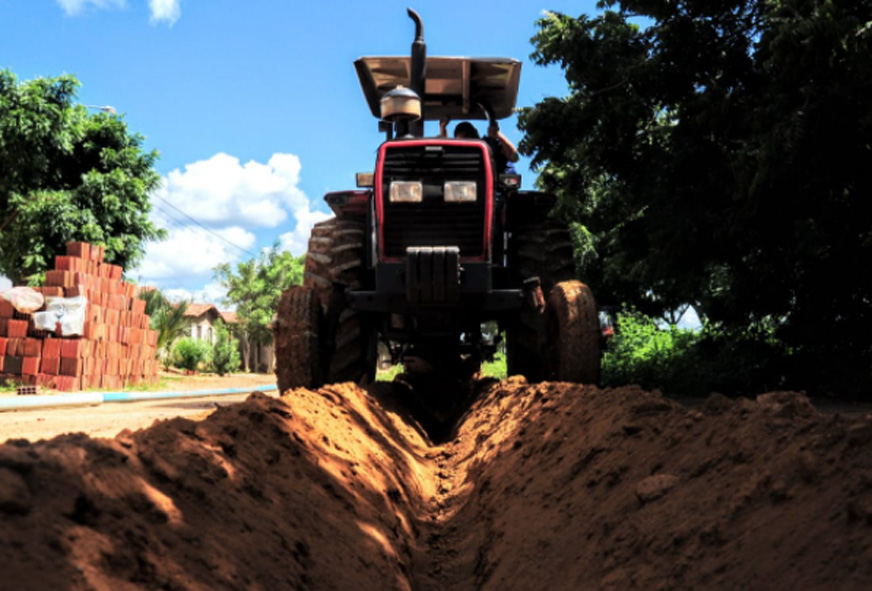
(418, 70)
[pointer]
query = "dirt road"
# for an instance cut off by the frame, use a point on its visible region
(553, 486)
(107, 420)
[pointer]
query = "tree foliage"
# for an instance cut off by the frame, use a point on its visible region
(68, 175)
(255, 287)
(168, 319)
(693, 362)
(714, 151)
(189, 353)
(225, 351)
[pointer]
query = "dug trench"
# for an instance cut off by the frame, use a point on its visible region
(549, 486)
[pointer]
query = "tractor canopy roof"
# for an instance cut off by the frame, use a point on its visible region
(455, 85)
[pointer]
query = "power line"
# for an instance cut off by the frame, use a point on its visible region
(219, 236)
(182, 224)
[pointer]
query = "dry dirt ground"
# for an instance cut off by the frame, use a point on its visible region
(550, 486)
(107, 420)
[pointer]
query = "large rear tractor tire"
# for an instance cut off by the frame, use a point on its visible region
(336, 255)
(572, 353)
(296, 333)
(541, 249)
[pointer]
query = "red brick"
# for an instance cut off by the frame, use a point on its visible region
(137, 306)
(79, 249)
(76, 291)
(30, 365)
(111, 367)
(97, 253)
(3, 343)
(71, 348)
(69, 263)
(67, 383)
(6, 309)
(114, 303)
(71, 367)
(91, 330)
(32, 347)
(12, 364)
(51, 347)
(50, 365)
(17, 328)
(59, 278)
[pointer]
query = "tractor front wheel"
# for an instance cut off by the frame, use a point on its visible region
(296, 331)
(345, 342)
(572, 320)
(538, 249)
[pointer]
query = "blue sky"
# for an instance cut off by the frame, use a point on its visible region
(254, 106)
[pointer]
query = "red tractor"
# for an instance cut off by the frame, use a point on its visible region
(437, 254)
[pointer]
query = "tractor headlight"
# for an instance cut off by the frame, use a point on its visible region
(406, 192)
(460, 191)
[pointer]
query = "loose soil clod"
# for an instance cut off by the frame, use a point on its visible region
(548, 486)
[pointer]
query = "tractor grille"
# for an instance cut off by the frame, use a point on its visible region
(433, 222)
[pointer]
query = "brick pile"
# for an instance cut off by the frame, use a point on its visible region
(117, 348)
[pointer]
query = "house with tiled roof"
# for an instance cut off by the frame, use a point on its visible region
(201, 318)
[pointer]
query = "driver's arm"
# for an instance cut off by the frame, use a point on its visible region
(509, 149)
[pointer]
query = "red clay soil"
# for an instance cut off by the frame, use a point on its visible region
(552, 486)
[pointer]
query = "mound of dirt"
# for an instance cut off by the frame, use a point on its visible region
(553, 486)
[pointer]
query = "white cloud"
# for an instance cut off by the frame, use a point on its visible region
(165, 10)
(189, 252)
(233, 200)
(211, 293)
(297, 240)
(72, 7)
(4, 283)
(250, 195)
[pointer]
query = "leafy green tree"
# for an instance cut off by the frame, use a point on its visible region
(255, 288)
(67, 175)
(225, 351)
(712, 151)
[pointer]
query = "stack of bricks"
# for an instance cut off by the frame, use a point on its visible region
(117, 347)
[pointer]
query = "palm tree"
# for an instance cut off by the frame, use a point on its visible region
(167, 319)
(170, 324)
(154, 300)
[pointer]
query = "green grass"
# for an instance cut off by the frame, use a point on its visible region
(165, 383)
(388, 375)
(496, 368)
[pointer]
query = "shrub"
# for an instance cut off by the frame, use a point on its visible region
(693, 362)
(225, 351)
(189, 353)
